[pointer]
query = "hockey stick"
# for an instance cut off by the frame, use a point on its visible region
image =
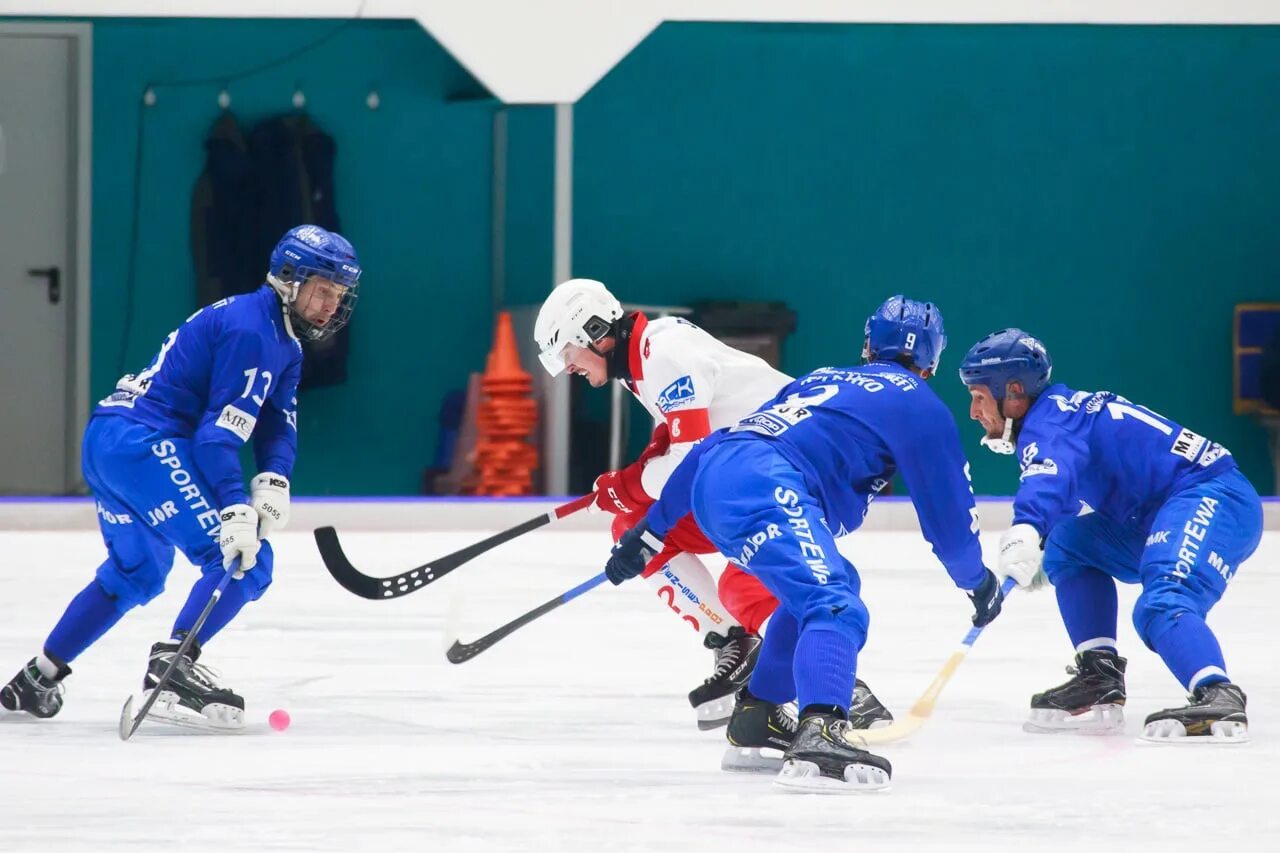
(368, 586)
(463, 652)
(129, 723)
(923, 708)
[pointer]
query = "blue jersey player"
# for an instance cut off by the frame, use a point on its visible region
(774, 492)
(161, 455)
(1116, 492)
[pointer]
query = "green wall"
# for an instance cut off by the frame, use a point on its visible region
(413, 188)
(1113, 190)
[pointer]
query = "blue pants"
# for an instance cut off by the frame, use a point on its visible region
(151, 500)
(1183, 562)
(757, 509)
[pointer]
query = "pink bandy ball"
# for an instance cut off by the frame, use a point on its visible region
(279, 719)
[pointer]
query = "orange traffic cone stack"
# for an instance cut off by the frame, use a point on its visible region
(505, 457)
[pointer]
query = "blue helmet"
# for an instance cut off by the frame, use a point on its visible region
(306, 251)
(1009, 355)
(903, 326)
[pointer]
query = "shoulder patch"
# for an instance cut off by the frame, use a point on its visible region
(677, 394)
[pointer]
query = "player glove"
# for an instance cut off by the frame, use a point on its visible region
(239, 537)
(1021, 555)
(621, 492)
(634, 550)
(987, 600)
(270, 496)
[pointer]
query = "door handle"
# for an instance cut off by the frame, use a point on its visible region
(54, 277)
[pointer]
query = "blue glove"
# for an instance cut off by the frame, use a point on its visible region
(987, 600)
(632, 553)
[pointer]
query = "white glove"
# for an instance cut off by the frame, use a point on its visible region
(239, 537)
(1020, 555)
(270, 502)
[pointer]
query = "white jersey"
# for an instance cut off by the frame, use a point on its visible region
(695, 384)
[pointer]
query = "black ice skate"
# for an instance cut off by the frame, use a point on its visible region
(1090, 703)
(1215, 715)
(826, 757)
(759, 733)
(32, 692)
(192, 696)
(736, 656)
(866, 712)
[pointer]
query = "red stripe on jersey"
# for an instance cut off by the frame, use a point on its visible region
(690, 425)
(635, 359)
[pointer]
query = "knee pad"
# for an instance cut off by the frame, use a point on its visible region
(257, 579)
(1057, 564)
(132, 586)
(1157, 608)
(841, 611)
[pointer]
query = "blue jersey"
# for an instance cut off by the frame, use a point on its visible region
(229, 372)
(1083, 451)
(848, 431)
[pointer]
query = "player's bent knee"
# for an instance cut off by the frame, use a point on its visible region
(257, 579)
(846, 614)
(1157, 610)
(132, 586)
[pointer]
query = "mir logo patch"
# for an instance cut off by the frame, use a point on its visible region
(677, 394)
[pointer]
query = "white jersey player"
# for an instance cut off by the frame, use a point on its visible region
(691, 384)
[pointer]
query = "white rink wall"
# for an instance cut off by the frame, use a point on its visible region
(457, 514)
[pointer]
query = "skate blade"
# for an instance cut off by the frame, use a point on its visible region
(804, 777)
(1098, 720)
(715, 713)
(214, 717)
(742, 759)
(1175, 733)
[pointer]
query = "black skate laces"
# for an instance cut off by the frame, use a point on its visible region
(205, 677)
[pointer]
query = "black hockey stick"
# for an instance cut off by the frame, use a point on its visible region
(129, 723)
(463, 652)
(368, 586)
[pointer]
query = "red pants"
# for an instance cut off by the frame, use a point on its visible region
(746, 599)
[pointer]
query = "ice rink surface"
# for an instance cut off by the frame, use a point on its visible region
(575, 734)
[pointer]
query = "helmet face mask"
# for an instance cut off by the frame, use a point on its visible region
(304, 260)
(581, 312)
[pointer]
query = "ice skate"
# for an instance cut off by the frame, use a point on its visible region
(1090, 703)
(736, 654)
(1215, 715)
(31, 691)
(866, 711)
(759, 733)
(192, 697)
(826, 757)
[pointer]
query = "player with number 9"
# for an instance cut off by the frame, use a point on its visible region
(777, 489)
(1113, 492)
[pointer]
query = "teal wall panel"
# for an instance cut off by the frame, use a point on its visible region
(1111, 189)
(413, 186)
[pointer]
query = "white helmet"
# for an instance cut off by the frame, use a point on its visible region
(580, 311)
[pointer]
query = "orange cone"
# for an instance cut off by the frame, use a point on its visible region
(505, 459)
